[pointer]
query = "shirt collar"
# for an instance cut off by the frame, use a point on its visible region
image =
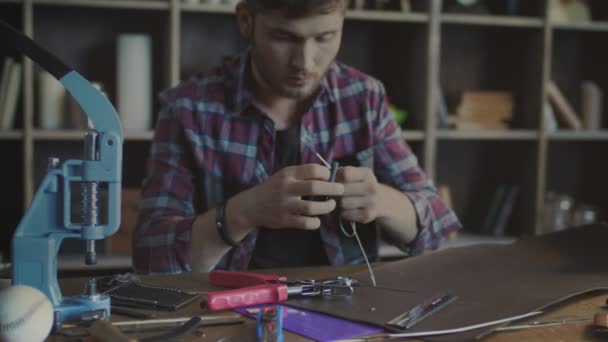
(241, 74)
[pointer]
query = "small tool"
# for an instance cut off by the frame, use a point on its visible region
(255, 288)
(421, 311)
(175, 333)
(128, 327)
(540, 324)
(118, 310)
(104, 331)
(269, 325)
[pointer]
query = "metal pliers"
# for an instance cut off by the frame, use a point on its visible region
(256, 288)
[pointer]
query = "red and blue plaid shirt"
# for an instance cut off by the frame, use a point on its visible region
(212, 142)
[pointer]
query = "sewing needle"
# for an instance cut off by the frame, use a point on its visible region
(323, 160)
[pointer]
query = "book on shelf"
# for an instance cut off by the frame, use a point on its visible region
(484, 110)
(506, 209)
(591, 105)
(441, 110)
(487, 226)
(4, 79)
(566, 114)
(11, 90)
(500, 210)
(550, 120)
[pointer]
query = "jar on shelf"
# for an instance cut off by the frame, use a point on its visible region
(557, 212)
(584, 214)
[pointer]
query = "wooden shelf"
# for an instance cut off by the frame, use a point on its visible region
(594, 26)
(72, 135)
(206, 8)
(125, 4)
(139, 136)
(11, 135)
(388, 16)
(59, 135)
(446, 134)
(456, 50)
(578, 135)
(413, 135)
(492, 20)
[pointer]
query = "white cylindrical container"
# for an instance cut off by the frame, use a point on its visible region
(134, 77)
(51, 102)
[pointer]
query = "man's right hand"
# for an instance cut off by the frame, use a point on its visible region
(278, 203)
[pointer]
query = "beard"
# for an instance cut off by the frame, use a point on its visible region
(294, 84)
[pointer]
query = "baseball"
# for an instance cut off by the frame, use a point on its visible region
(26, 314)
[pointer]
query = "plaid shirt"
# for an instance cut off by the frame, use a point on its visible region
(212, 142)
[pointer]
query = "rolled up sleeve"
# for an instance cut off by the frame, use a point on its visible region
(396, 165)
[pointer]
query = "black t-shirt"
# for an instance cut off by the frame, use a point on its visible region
(287, 247)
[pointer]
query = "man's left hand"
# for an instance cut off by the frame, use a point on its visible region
(362, 194)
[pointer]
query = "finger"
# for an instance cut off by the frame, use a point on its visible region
(312, 208)
(354, 202)
(366, 215)
(359, 189)
(316, 188)
(303, 222)
(310, 171)
(351, 174)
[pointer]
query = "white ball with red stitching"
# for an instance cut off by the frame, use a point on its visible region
(26, 314)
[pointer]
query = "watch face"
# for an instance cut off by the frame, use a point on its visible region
(467, 2)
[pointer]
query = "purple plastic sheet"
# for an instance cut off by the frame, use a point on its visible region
(317, 326)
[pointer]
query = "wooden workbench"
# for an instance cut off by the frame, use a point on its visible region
(583, 307)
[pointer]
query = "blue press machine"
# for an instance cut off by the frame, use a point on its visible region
(47, 221)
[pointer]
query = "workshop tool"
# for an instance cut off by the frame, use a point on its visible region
(540, 324)
(47, 222)
(175, 333)
(128, 290)
(421, 311)
(315, 325)
(118, 310)
(141, 326)
(269, 324)
(255, 288)
(103, 331)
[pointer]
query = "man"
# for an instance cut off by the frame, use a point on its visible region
(234, 180)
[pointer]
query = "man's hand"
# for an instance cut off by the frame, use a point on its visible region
(366, 200)
(362, 194)
(278, 203)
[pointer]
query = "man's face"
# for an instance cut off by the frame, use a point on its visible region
(291, 55)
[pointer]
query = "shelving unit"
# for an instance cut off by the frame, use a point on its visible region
(410, 52)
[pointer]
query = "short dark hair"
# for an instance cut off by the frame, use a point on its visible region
(294, 8)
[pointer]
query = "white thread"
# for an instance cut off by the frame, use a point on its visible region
(353, 226)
